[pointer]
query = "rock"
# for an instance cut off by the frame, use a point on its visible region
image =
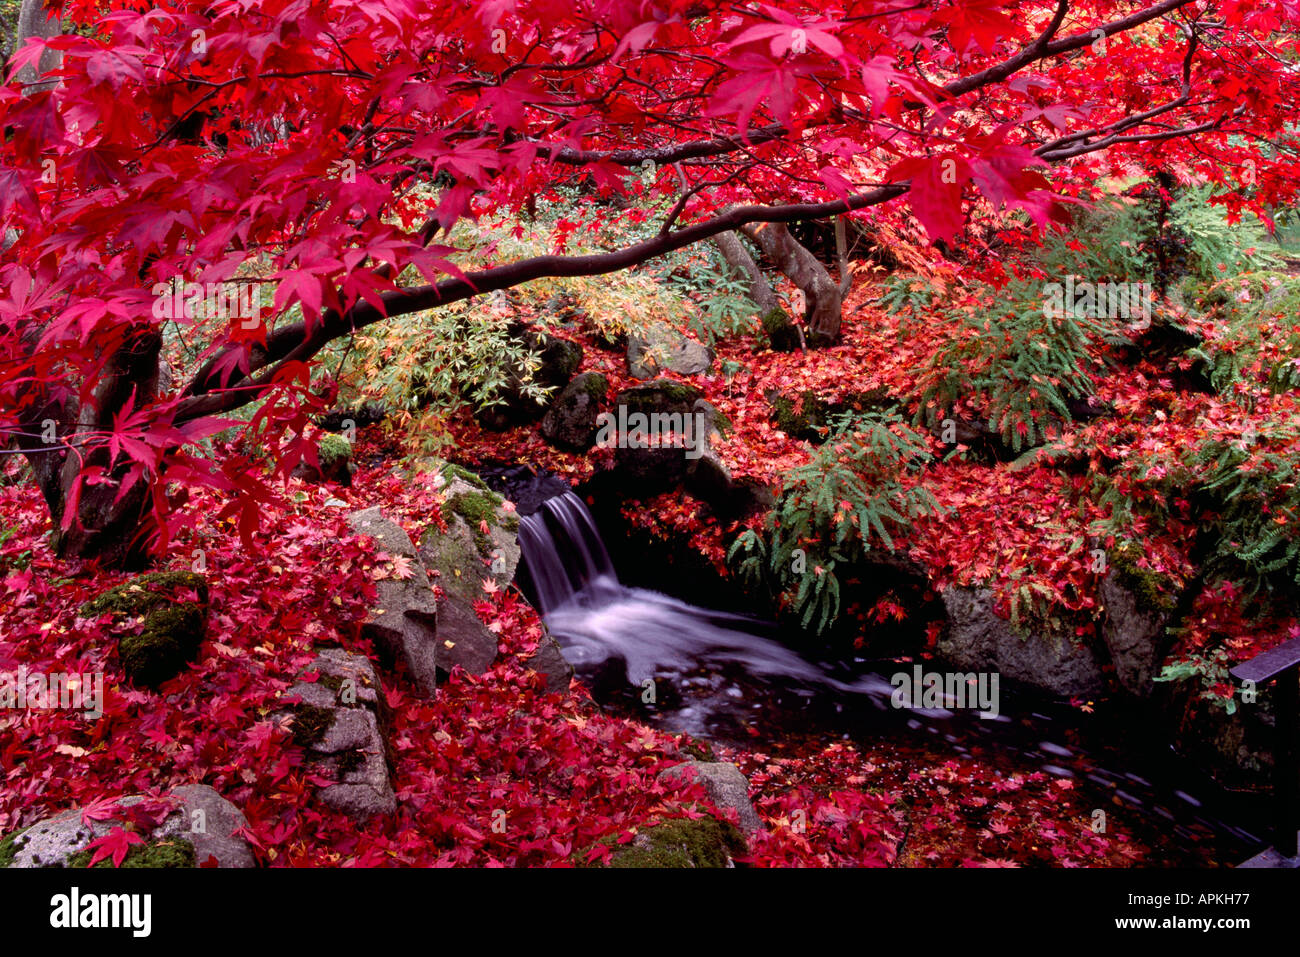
(726, 786)
(781, 332)
(462, 638)
(333, 462)
(353, 417)
(559, 361)
(661, 348)
(200, 829)
(464, 556)
(979, 640)
(1137, 615)
(679, 843)
(173, 608)
(570, 422)
(339, 723)
(651, 429)
(404, 618)
(549, 662)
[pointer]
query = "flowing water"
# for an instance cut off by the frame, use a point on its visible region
(728, 678)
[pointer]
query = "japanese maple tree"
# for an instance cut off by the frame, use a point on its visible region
(327, 148)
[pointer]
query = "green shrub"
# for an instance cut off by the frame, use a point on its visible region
(849, 499)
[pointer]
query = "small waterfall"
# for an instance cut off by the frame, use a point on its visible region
(564, 552)
(595, 618)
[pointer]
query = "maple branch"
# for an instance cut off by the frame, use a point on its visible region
(300, 341)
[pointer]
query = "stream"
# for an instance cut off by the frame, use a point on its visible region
(730, 679)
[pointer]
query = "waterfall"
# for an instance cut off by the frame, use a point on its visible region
(595, 617)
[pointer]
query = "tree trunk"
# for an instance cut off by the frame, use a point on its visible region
(60, 439)
(34, 21)
(739, 259)
(823, 303)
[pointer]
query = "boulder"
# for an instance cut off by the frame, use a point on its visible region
(726, 786)
(549, 662)
(650, 435)
(559, 361)
(404, 618)
(333, 462)
(462, 638)
(660, 348)
(570, 422)
(978, 639)
(338, 722)
(199, 830)
(465, 555)
(1138, 607)
(169, 614)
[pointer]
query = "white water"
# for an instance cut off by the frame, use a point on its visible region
(595, 617)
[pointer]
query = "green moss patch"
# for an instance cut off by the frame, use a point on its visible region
(310, 724)
(333, 451)
(144, 593)
(1153, 591)
(452, 472)
(173, 852)
(10, 846)
(171, 630)
(678, 843)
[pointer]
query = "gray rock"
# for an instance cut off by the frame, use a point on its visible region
(202, 817)
(570, 422)
(725, 785)
(979, 640)
(661, 348)
(549, 661)
(653, 462)
(462, 638)
(351, 750)
(404, 618)
(464, 557)
(1136, 636)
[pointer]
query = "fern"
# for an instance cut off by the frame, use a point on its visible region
(833, 511)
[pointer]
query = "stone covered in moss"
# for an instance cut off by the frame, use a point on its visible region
(1152, 590)
(176, 852)
(779, 330)
(679, 843)
(172, 627)
(464, 555)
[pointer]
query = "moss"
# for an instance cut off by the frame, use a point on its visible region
(477, 508)
(452, 472)
(173, 852)
(1152, 590)
(700, 750)
(596, 386)
(660, 395)
(800, 417)
(310, 724)
(10, 846)
(682, 843)
(333, 450)
(169, 641)
(350, 761)
(143, 593)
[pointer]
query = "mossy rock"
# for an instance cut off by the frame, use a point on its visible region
(10, 846)
(451, 472)
(171, 630)
(678, 843)
(311, 724)
(333, 451)
(173, 852)
(779, 330)
(1153, 591)
(144, 593)
(807, 416)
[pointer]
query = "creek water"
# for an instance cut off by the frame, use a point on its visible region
(730, 678)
